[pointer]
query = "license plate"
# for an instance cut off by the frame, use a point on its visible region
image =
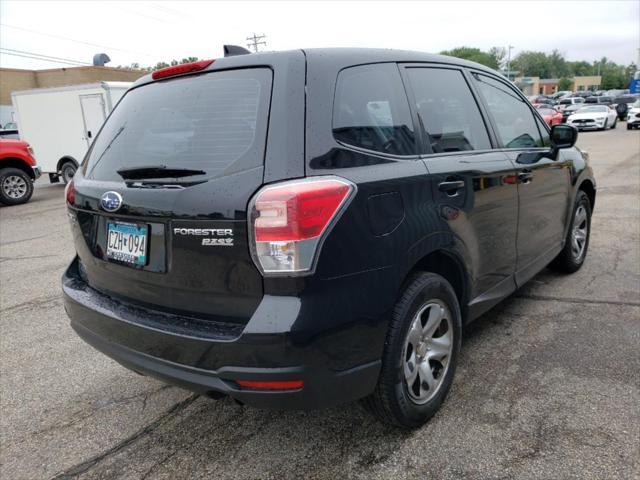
(127, 242)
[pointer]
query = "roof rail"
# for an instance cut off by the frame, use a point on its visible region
(233, 50)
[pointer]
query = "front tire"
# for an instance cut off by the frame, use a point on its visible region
(420, 355)
(16, 186)
(615, 122)
(572, 256)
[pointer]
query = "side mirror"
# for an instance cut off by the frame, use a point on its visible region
(563, 136)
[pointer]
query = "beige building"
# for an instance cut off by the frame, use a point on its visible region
(14, 79)
(548, 86)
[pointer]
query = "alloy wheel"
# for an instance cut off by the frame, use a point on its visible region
(14, 186)
(427, 351)
(579, 233)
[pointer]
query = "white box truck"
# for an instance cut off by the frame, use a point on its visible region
(61, 122)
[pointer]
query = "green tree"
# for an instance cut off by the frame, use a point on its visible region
(475, 55)
(532, 64)
(564, 84)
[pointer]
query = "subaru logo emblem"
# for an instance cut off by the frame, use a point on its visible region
(111, 201)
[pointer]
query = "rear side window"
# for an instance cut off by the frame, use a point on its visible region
(447, 110)
(515, 122)
(215, 122)
(371, 110)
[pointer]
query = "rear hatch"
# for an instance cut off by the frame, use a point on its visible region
(162, 195)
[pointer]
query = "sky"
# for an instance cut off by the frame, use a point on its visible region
(153, 31)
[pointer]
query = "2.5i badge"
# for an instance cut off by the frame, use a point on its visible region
(212, 237)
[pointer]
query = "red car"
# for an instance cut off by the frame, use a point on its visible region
(550, 115)
(18, 171)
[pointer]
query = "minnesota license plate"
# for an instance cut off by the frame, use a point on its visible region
(127, 242)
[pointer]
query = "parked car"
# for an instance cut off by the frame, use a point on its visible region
(561, 94)
(565, 102)
(621, 105)
(292, 230)
(570, 110)
(583, 93)
(10, 126)
(550, 115)
(633, 115)
(602, 100)
(541, 99)
(598, 117)
(18, 171)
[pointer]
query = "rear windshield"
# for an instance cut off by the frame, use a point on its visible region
(215, 122)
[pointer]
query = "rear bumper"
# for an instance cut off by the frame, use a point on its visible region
(210, 358)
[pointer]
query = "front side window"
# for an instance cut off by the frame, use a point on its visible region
(515, 122)
(371, 110)
(448, 112)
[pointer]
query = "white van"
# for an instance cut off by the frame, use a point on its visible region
(61, 122)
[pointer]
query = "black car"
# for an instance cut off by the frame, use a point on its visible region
(622, 105)
(304, 228)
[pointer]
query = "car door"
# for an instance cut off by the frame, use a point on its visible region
(543, 179)
(473, 186)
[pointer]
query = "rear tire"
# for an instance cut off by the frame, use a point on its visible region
(16, 186)
(67, 171)
(572, 256)
(629, 127)
(420, 355)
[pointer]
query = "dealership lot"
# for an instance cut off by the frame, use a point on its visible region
(547, 387)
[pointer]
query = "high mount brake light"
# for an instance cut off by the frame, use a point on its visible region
(289, 220)
(180, 69)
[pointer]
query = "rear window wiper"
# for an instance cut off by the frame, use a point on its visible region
(157, 171)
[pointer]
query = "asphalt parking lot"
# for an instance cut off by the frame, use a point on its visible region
(548, 385)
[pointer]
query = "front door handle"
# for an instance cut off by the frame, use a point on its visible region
(451, 188)
(525, 176)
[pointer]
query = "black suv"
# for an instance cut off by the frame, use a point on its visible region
(304, 228)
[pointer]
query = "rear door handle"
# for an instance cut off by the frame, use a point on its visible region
(451, 188)
(525, 177)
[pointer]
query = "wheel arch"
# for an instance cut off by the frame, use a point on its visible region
(14, 162)
(589, 188)
(449, 266)
(64, 160)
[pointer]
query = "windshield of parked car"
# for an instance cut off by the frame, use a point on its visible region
(592, 109)
(213, 122)
(636, 104)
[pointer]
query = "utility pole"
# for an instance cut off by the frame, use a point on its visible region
(509, 62)
(256, 40)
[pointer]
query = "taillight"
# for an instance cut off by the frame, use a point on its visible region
(288, 221)
(180, 69)
(70, 193)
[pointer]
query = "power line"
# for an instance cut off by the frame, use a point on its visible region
(77, 41)
(43, 56)
(254, 41)
(38, 58)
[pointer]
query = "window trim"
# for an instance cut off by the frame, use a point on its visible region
(413, 156)
(425, 150)
(499, 145)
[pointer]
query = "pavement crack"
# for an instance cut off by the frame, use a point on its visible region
(38, 302)
(578, 300)
(83, 467)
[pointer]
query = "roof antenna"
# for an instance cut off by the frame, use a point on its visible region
(233, 50)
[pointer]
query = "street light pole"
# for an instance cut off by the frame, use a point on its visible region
(509, 62)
